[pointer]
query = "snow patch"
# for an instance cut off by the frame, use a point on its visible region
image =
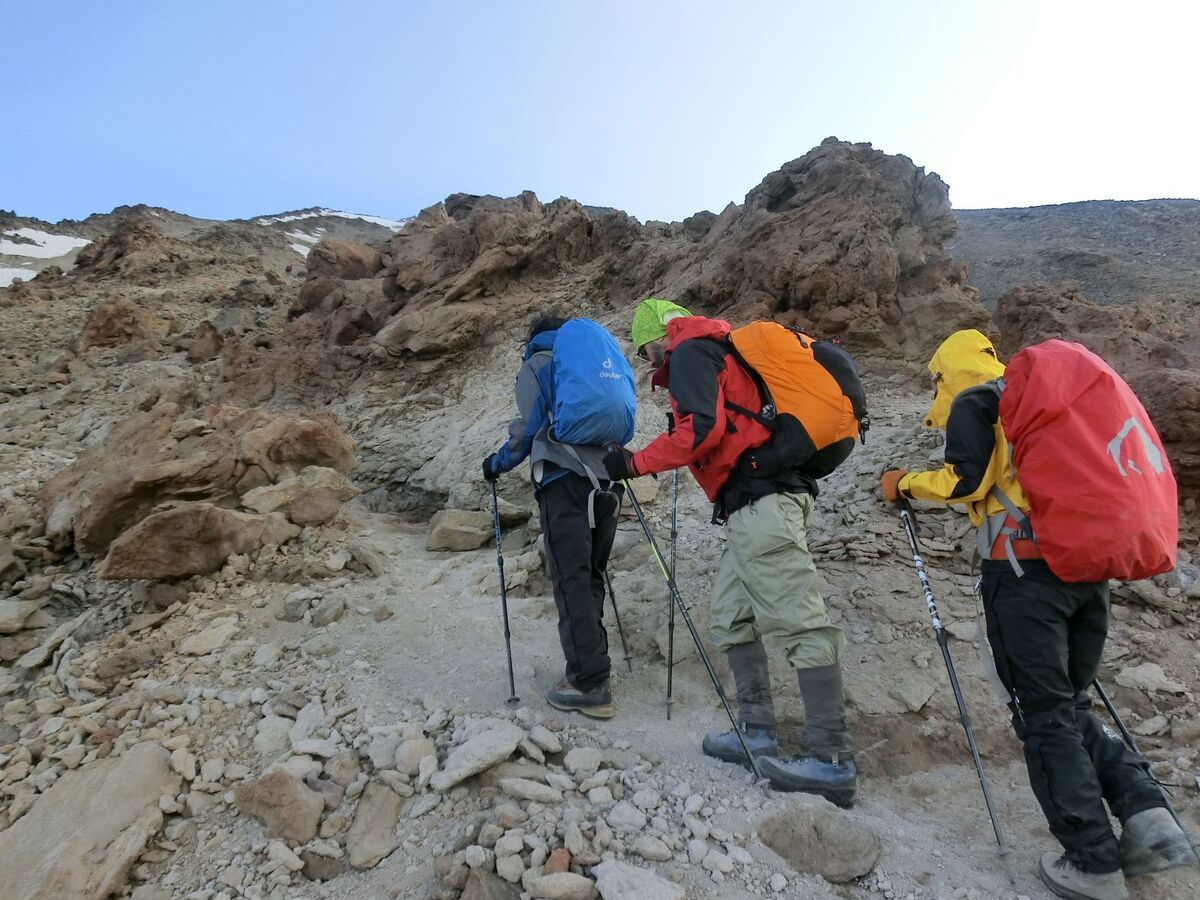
(7, 274)
(301, 249)
(44, 246)
(301, 236)
(390, 224)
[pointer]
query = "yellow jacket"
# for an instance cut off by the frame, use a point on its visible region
(977, 455)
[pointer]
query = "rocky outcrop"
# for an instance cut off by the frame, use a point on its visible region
(343, 259)
(116, 322)
(159, 456)
(311, 498)
(192, 539)
(83, 835)
(1152, 344)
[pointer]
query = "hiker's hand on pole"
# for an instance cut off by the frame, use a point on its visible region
(890, 482)
(618, 463)
(489, 468)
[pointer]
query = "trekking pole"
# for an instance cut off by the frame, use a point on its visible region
(1132, 744)
(513, 699)
(691, 626)
(670, 602)
(617, 615)
(910, 529)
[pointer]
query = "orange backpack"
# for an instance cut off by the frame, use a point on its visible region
(813, 400)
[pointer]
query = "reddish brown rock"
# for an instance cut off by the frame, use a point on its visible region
(343, 259)
(558, 861)
(140, 465)
(281, 802)
(192, 539)
(206, 343)
(311, 498)
(116, 322)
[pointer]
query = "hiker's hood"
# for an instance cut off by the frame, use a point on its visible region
(965, 359)
(650, 320)
(683, 329)
(542, 341)
(687, 327)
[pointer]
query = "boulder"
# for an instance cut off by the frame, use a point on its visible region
(372, 835)
(312, 497)
(490, 746)
(116, 322)
(815, 838)
(343, 259)
(459, 529)
(205, 344)
(83, 835)
(13, 613)
(141, 465)
(282, 802)
(620, 881)
(193, 539)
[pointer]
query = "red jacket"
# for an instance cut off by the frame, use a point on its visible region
(701, 375)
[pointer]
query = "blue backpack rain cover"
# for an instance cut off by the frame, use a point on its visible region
(594, 398)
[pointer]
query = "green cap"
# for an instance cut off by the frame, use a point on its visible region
(650, 320)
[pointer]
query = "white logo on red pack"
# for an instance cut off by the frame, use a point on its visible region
(1116, 448)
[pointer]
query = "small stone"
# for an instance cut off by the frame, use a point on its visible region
(625, 817)
(717, 861)
(525, 789)
(696, 850)
(583, 762)
(510, 868)
(600, 796)
(410, 753)
(329, 611)
(621, 881)
(779, 883)
(184, 763)
(546, 739)
(651, 848)
(559, 861)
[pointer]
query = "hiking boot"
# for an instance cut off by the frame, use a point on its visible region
(1152, 841)
(1060, 875)
(835, 781)
(596, 703)
(725, 746)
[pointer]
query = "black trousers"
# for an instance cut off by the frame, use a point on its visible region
(1047, 638)
(577, 555)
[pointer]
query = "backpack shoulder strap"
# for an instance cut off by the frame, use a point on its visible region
(766, 415)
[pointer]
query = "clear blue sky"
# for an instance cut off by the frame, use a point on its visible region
(232, 108)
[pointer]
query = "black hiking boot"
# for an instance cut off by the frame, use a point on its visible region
(725, 746)
(835, 781)
(596, 703)
(1152, 841)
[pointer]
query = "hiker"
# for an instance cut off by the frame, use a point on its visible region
(767, 585)
(1047, 637)
(577, 504)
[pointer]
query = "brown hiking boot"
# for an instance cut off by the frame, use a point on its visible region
(596, 703)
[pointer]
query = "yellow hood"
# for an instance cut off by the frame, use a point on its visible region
(965, 359)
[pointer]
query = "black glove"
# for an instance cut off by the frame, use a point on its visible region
(618, 463)
(489, 469)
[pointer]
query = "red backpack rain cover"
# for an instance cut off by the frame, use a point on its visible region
(1104, 503)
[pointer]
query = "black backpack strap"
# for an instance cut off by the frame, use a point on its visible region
(766, 415)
